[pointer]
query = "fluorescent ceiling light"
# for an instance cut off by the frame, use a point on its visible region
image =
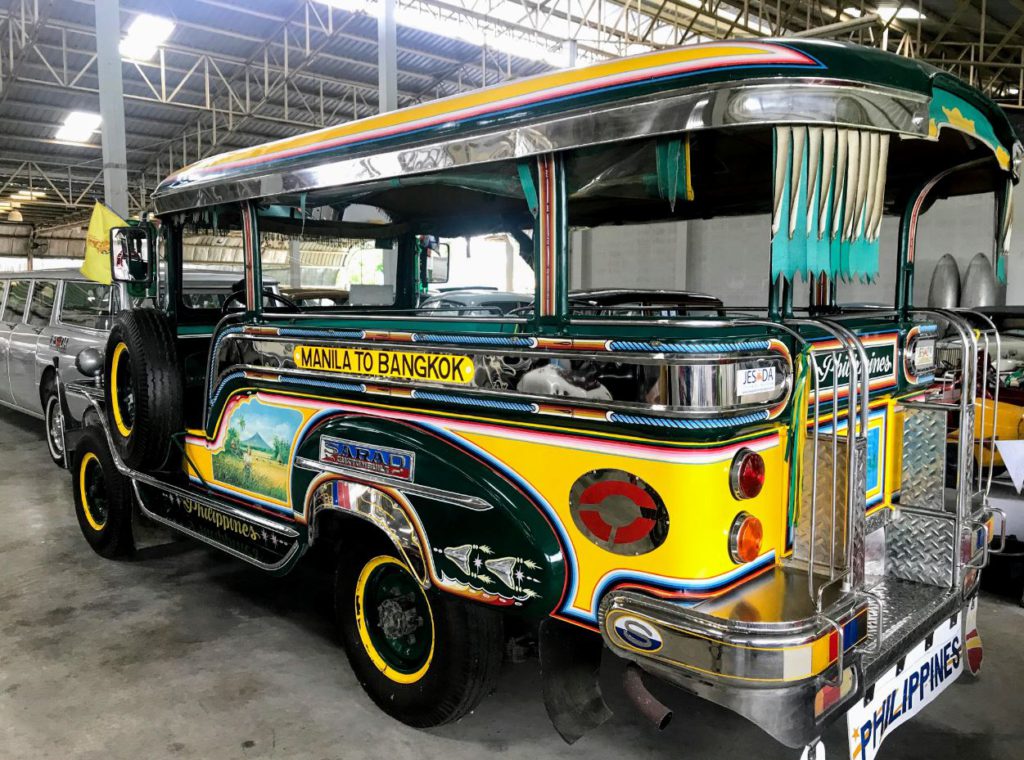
(889, 12)
(145, 35)
(27, 195)
(79, 126)
(852, 11)
(475, 33)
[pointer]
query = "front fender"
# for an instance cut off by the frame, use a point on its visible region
(501, 549)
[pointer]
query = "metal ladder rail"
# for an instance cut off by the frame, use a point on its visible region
(851, 346)
(985, 484)
(965, 440)
(855, 517)
(856, 363)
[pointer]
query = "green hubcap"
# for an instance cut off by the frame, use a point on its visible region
(397, 618)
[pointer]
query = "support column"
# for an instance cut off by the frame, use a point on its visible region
(294, 263)
(108, 66)
(387, 57)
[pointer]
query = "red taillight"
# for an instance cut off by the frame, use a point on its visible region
(745, 538)
(747, 474)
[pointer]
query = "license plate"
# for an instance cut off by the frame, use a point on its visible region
(931, 666)
(755, 380)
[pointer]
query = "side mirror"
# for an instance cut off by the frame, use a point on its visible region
(130, 255)
(437, 263)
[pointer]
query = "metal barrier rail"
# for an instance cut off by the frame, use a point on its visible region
(857, 395)
(963, 513)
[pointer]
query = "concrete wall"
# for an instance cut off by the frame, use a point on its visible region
(729, 257)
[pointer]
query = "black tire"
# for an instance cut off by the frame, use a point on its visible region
(143, 389)
(435, 688)
(52, 423)
(103, 497)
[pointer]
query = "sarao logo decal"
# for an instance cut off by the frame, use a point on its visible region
(393, 463)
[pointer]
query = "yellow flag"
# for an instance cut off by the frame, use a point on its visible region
(97, 243)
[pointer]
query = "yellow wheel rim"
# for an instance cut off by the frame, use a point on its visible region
(83, 469)
(363, 585)
(115, 403)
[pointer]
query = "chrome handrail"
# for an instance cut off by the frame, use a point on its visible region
(850, 346)
(965, 440)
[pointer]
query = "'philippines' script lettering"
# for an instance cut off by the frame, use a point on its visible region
(879, 365)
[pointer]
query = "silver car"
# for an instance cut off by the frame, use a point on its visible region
(47, 314)
(58, 313)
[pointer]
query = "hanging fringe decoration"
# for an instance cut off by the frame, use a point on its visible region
(672, 158)
(829, 194)
(1004, 230)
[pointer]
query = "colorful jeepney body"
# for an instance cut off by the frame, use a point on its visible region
(759, 517)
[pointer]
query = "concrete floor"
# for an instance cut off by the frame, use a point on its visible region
(186, 653)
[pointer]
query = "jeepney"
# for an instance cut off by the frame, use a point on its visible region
(746, 504)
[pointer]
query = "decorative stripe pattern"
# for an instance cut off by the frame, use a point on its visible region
(487, 403)
(345, 387)
(689, 348)
(474, 340)
(680, 424)
(322, 333)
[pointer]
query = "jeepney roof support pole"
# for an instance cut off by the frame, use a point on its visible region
(551, 252)
(908, 233)
(251, 258)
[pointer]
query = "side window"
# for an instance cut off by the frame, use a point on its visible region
(16, 298)
(42, 304)
(86, 304)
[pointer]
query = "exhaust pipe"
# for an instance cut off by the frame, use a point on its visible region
(648, 705)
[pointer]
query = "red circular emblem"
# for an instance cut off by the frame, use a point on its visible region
(618, 512)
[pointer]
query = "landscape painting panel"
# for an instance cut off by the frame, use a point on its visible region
(257, 447)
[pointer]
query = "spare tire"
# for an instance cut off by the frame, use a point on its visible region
(143, 389)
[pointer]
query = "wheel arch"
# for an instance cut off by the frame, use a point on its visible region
(504, 552)
(48, 377)
(341, 528)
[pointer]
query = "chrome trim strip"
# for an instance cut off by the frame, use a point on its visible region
(270, 567)
(465, 501)
(23, 410)
(709, 635)
(688, 363)
(660, 410)
(764, 101)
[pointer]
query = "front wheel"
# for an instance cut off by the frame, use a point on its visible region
(103, 497)
(424, 657)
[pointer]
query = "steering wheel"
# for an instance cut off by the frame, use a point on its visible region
(238, 296)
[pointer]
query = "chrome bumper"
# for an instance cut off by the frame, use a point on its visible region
(783, 676)
(791, 679)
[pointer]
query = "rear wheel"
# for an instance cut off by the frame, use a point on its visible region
(103, 497)
(52, 417)
(424, 657)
